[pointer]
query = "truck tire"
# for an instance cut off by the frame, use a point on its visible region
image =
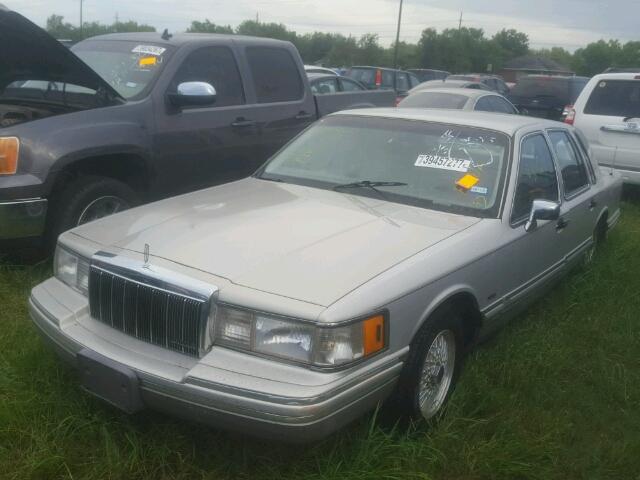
(85, 199)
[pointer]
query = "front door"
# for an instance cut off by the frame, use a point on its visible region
(199, 146)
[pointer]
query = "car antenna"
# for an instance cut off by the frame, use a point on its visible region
(166, 35)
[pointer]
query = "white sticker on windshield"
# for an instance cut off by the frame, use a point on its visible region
(149, 50)
(480, 190)
(443, 163)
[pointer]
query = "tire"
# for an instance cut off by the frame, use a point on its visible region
(444, 325)
(85, 199)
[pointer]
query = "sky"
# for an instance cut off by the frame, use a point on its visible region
(566, 23)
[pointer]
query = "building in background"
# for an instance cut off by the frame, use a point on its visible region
(532, 65)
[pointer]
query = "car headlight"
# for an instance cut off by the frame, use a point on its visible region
(9, 148)
(72, 269)
(308, 343)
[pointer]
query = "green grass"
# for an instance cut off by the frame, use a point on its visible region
(556, 395)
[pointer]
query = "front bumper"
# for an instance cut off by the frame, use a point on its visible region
(295, 405)
(22, 218)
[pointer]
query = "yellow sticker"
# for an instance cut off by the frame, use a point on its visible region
(467, 182)
(147, 61)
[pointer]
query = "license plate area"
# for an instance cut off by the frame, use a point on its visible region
(110, 381)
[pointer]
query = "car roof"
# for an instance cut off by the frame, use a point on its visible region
(465, 92)
(380, 68)
(316, 75)
(555, 77)
(500, 122)
(179, 39)
(618, 76)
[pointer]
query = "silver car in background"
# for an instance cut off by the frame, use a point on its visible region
(364, 259)
(459, 99)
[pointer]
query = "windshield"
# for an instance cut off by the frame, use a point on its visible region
(129, 67)
(531, 87)
(443, 167)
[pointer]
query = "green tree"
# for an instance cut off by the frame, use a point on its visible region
(269, 30)
(208, 27)
(513, 43)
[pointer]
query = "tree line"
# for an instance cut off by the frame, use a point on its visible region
(455, 49)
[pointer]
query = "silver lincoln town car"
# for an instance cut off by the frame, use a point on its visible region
(364, 259)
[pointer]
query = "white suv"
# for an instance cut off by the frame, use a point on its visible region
(607, 112)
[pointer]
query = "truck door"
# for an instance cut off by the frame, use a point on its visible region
(199, 146)
(283, 104)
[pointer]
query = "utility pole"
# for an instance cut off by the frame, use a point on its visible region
(257, 17)
(395, 50)
(81, 27)
(460, 22)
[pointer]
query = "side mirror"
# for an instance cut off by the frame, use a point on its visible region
(542, 210)
(190, 94)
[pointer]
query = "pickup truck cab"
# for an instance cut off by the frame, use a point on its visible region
(123, 119)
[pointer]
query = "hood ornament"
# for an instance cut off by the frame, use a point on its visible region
(146, 256)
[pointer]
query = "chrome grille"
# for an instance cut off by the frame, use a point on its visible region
(155, 315)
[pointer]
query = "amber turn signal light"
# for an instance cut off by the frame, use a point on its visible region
(373, 334)
(9, 147)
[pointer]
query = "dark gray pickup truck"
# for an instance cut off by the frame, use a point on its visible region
(124, 119)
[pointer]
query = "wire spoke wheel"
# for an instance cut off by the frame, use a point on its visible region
(102, 207)
(436, 376)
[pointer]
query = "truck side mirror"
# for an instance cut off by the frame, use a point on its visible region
(542, 210)
(193, 94)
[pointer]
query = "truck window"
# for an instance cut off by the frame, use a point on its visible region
(275, 74)
(216, 66)
(616, 98)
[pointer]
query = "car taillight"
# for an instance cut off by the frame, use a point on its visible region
(378, 78)
(569, 114)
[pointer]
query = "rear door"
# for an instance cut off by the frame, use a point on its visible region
(283, 105)
(578, 211)
(200, 145)
(610, 119)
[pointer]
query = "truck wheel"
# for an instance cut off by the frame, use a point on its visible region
(433, 366)
(86, 199)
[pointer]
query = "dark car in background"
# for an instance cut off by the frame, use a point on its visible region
(426, 74)
(493, 82)
(547, 96)
(375, 78)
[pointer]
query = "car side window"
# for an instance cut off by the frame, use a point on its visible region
(350, 86)
(537, 179)
(275, 74)
(402, 82)
(484, 104)
(501, 105)
(217, 67)
(327, 85)
(572, 168)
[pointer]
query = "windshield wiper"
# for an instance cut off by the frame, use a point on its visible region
(372, 185)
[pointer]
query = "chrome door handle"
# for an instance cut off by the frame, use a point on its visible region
(241, 122)
(592, 204)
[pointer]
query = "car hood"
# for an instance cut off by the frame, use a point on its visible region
(305, 243)
(30, 53)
